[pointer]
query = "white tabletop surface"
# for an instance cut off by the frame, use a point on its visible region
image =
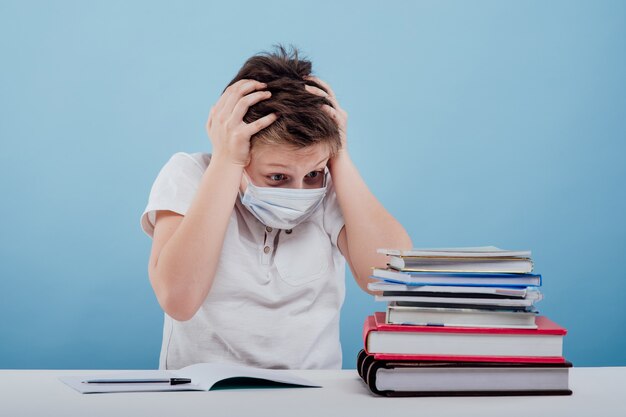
(598, 392)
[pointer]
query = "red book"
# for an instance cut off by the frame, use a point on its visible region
(464, 344)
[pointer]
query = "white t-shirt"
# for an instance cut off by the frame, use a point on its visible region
(276, 295)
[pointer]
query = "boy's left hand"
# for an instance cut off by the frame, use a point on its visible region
(339, 115)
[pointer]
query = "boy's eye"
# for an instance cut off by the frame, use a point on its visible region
(314, 174)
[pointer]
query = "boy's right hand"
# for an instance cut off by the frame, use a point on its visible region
(228, 133)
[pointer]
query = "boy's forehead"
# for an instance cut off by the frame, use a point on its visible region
(274, 154)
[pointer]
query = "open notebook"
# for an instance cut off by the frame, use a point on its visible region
(204, 377)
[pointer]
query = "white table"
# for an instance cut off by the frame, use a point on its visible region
(598, 392)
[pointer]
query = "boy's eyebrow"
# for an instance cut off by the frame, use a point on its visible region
(273, 164)
(277, 165)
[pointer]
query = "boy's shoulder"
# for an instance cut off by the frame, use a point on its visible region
(200, 159)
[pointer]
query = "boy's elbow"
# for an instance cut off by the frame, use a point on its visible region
(178, 306)
(370, 292)
(363, 285)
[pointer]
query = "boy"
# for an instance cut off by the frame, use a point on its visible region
(250, 242)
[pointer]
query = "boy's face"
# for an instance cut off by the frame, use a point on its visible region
(286, 167)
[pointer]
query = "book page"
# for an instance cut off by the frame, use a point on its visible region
(206, 375)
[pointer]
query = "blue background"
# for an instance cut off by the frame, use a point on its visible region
(474, 123)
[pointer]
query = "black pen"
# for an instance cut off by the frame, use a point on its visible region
(171, 381)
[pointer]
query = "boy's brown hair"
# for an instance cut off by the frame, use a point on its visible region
(302, 121)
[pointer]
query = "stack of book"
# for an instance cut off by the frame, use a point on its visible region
(461, 321)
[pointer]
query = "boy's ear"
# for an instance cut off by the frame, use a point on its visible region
(243, 184)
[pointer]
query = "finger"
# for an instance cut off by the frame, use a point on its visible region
(245, 102)
(331, 112)
(322, 83)
(240, 91)
(224, 96)
(235, 91)
(260, 124)
(315, 90)
(322, 93)
(334, 102)
(209, 123)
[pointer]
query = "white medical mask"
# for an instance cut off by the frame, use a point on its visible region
(282, 208)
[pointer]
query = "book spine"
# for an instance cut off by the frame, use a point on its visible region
(368, 326)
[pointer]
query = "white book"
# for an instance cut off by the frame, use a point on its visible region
(469, 252)
(530, 300)
(204, 377)
(460, 317)
(457, 279)
(501, 291)
(473, 265)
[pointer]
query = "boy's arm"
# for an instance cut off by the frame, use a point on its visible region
(186, 250)
(368, 225)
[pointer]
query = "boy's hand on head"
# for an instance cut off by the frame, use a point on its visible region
(228, 133)
(339, 115)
